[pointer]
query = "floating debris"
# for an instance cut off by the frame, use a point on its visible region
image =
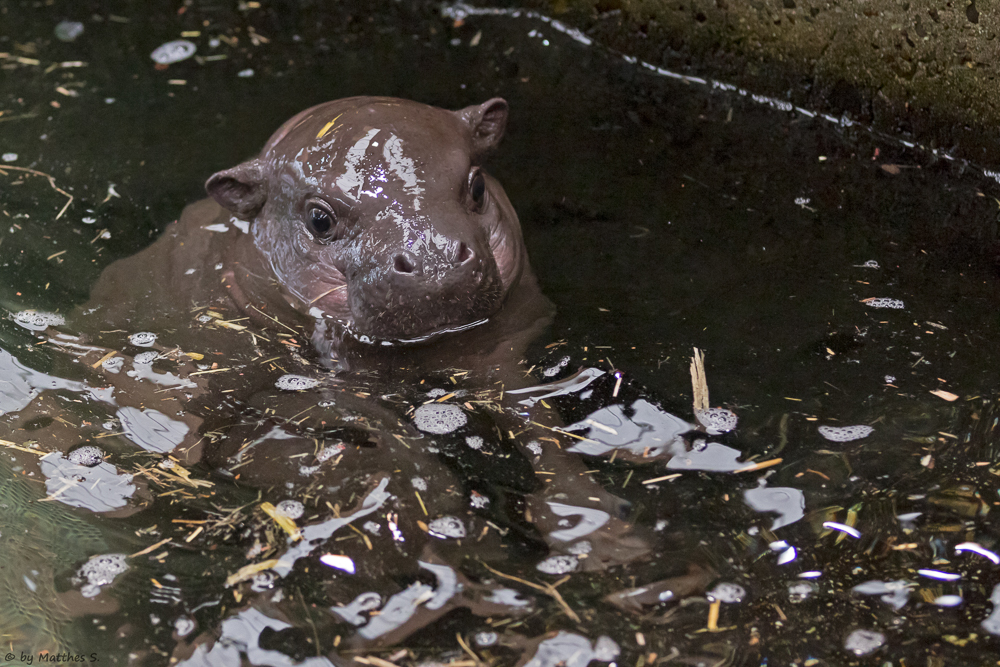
(717, 420)
(173, 52)
(291, 509)
(99, 571)
(882, 302)
(87, 456)
(293, 382)
(863, 642)
(447, 527)
(142, 338)
(845, 433)
(68, 31)
(36, 320)
(439, 418)
(558, 564)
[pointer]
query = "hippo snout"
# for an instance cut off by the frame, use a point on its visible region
(408, 294)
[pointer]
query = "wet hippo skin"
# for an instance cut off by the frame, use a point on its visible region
(367, 221)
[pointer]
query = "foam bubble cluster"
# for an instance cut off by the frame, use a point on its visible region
(99, 571)
(372, 527)
(183, 626)
(474, 441)
(717, 420)
(728, 593)
(173, 52)
(447, 526)
(535, 447)
(113, 365)
(436, 393)
(845, 433)
(419, 483)
(439, 418)
(292, 382)
(554, 370)
(291, 509)
(883, 302)
(863, 642)
(88, 456)
(145, 357)
(558, 564)
(142, 338)
(36, 320)
(328, 453)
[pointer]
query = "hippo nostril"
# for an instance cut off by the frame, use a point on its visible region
(402, 264)
(464, 254)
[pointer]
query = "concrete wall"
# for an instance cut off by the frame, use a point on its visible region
(922, 69)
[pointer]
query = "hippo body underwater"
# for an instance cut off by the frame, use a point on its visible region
(367, 221)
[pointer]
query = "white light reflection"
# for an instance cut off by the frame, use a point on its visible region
(811, 574)
(938, 574)
(339, 562)
(842, 527)
(976, 549)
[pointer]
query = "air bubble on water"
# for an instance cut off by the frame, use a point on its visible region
(486, 638)
(439, 418)
(447, 527)
(37, 320)
(293, 382)
(863, 642)
(291, 509)
(145, 357)
(419, 483)
(262, 581)
(68, 31)
(326, 404)
(204, 319)
(889, 379)
(88, 456)
(167, 464)
(870, 264)
(580, 548)
(558, 564)
(728, 593)
(883, 302)
(372, 527)
(9, 157)
(142, 338)
(183, 626)
(245, 73)
(99, 571)
(845, 433)
(799, 591)
(173, 52)
(717, 420)
(606, 649)
(474, 441)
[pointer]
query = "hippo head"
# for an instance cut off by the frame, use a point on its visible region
(376, 213)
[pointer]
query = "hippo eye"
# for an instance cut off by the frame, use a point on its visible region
(320, 224)
(477, 190)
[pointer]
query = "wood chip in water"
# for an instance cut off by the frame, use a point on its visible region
(946, 395)
(699, 383)
(248, 571)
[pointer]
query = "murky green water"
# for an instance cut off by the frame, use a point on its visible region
(660, 216)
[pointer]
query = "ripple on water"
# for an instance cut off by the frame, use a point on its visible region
(845, 433)
(439, 418)
(293, 382)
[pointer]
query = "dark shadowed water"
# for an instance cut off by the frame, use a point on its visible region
(660, 216)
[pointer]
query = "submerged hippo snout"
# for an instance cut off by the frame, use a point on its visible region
(410, 292)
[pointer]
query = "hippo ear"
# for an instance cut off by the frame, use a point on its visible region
(240, 189)
(487, 122)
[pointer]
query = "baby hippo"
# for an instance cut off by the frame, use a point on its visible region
(367, 220)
